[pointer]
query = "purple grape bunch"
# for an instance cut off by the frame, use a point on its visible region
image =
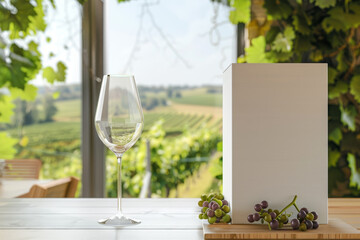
(276, 219)
(214, 208)
(305, 220)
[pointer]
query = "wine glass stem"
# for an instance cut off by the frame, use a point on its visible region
(119, 210)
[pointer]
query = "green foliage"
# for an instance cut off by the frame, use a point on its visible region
(7, 144)
(51, 75)
(355, 87)
(172, 160)
(256, 52)
(241, 11)
(20, 59)
(355, 174)
(6, 107)
(324, 3)
(324, 31)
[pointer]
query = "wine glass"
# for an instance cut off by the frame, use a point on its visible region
(119, 121)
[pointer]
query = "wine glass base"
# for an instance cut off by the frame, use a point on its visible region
(119, 220)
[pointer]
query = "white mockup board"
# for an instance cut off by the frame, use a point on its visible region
(275, 137)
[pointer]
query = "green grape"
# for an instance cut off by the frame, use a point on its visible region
(200, 216)
(310, 216)
(303, 227)
(226, 218)
(262, 221)
(218, 201)
(205, 216)
(211, 195)
(226, 208)
(213, 220)
(204, 209)
(218, 212)
(219, 196)
(277, 212)
(269, 210)
(268, 218)
(200, 203)
(203, 197)
(283, 218)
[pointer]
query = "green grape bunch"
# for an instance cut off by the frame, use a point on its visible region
(276, 219)
(214, 208)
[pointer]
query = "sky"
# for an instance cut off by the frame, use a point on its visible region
(160, 42)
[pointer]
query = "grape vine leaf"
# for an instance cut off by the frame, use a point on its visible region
(336, 90)
(355, 87)
(333, 157)
(56, 95)
(331, 75)
(28, 93)
(37, 22)
(324, 3)
(348, 116)
(335, 136)
(17, 20)
(284, 41)
(256, 52)
(355, 175)
(280, 9)
(341, 20)
(24, 141)
(51, 75)
(341, 59)
(241, 11)
(6, 109)
(301, 25)
(7, 150)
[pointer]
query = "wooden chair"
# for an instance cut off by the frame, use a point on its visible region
(22, 169)
(61, 188)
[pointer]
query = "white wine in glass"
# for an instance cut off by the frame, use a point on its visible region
(119, 122)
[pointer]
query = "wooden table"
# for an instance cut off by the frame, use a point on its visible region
(77, 218)
(12, 188)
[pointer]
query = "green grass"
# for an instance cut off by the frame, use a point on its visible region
(69, 110)
(199, 96)
(49, 132)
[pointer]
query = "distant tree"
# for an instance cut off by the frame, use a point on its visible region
(49, 108)
(170, 93)
(26, 113)
(178, 95)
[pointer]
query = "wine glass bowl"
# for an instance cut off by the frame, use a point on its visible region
(119, 122)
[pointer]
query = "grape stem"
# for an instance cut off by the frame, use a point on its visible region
(296, 207)
(289, 205)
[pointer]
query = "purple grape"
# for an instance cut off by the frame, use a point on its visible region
(257, 207)
(225, 202)
(315, 215)
(210, 212)
(305, 209)
(273, 215)
(256, 216)
(315, 224)
(301, 215)
(218, 220)
(287, 220)
(274, 224)
(309, 224)
(215, 206)
(210, 204)
(206, 204)
(250, 218)
(295, 223)
(264, 204)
